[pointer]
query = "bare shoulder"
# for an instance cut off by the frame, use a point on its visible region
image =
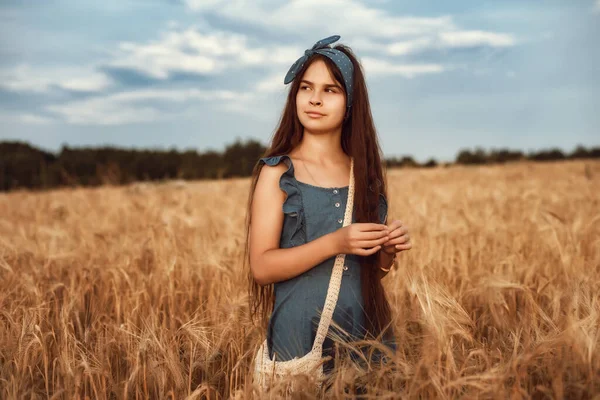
(267, 212)
(270, 174)
(267, 192)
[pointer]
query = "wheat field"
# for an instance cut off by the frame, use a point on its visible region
(138, 291)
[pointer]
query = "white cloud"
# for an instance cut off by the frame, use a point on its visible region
(35, 119)
(374, 33)
(375, 66)
(201, 5)
(368, 29)
(139, 106)
(476, 38)
(272, 83)
(158, 60)
(193, 51)
(409, 46)
(340, 15)
(26, 118)
(24, 78)
(371, 30)
(359, 20)
(451, 39)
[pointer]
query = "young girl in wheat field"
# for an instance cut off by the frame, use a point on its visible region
(296, 209)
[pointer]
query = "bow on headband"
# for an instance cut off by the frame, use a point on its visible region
(340, 59)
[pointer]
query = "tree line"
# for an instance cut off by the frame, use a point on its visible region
(25, 166)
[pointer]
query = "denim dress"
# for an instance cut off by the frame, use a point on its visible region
(309, 213)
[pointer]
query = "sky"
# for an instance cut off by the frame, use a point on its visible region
(199, 74)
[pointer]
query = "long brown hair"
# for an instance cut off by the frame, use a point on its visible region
(359, 140)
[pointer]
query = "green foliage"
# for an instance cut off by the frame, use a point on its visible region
(24, 166)
(480, 156)
(476, 157)
(405, 161)
(239, 158)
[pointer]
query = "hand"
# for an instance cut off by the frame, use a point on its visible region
(399, 239)
(362, 239)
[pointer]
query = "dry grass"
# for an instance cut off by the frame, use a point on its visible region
(136, 292)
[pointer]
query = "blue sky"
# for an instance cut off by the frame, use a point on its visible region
(200, 73)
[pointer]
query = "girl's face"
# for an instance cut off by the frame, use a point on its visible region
(320, 101)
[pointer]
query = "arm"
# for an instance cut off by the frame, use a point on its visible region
(268, 262)
(275, 265)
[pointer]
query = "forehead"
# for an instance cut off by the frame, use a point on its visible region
(318, 73)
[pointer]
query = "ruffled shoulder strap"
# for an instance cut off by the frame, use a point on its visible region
(287, 183)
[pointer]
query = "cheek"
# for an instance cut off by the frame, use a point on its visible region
(340, 106)
(340, 101)
(301, 96)
(299, 102)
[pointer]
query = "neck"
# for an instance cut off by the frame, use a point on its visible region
(320, 147)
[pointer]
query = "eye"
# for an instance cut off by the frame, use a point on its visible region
(304, 87)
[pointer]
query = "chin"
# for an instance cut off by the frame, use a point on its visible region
(318, 125)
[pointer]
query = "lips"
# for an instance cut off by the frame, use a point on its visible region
(314, 114)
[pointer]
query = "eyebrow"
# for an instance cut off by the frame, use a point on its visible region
(328, 85)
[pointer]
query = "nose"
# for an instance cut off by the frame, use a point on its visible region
(315, 99)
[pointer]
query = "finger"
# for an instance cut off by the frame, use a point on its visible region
(396, 224)
(397, 232)
(399, 240)
(368, 226)
(404, 246)
(399, 225)
(368, 252)
(373, 235)
(370, 243)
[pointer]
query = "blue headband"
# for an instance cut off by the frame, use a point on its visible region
(340, 59)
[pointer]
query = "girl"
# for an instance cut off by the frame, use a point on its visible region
(296, 209)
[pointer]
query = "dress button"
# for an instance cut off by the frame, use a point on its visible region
(334, 191)
(345, 268)
(337, 204)
(340, 221)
